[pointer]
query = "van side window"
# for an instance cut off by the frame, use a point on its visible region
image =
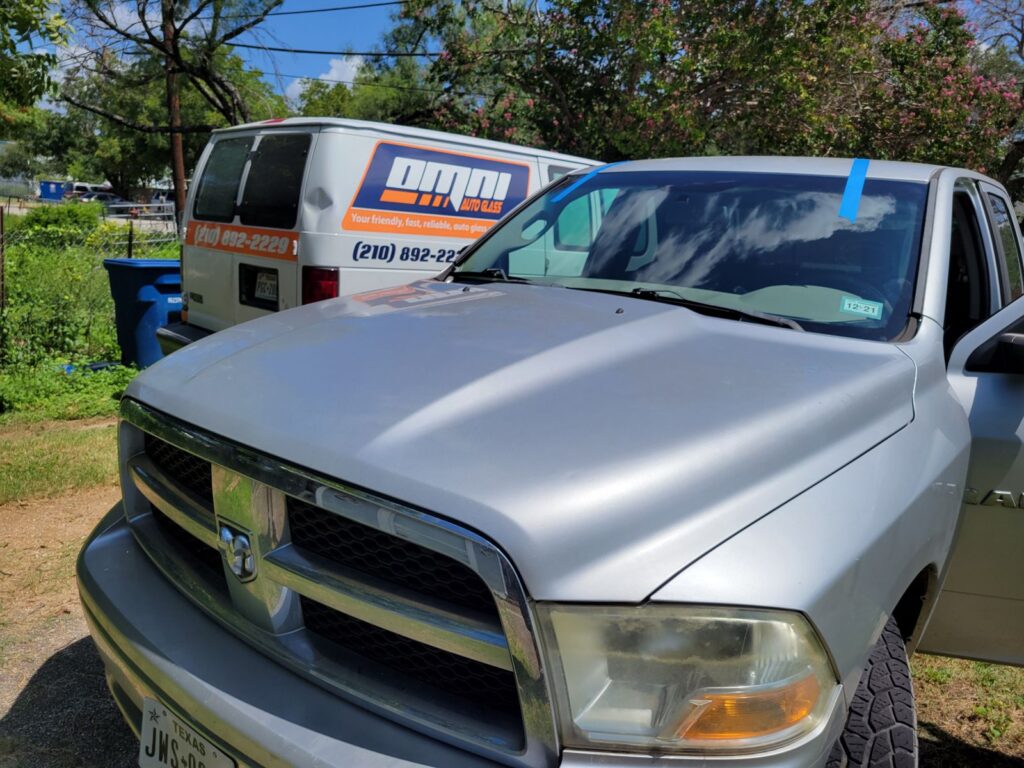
(967, 294)
(555, 172)
(218, 187)
(274, 183)
(1011, 248)
(573, 227)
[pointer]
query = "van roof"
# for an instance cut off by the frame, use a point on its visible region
(422, 134)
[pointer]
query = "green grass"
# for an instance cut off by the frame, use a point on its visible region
(970, 713)
(53, 459)
(45, 392)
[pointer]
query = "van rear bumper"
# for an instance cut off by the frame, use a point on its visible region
(177, 335)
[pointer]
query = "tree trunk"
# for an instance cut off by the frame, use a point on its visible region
(1010, 163)
(173, 108)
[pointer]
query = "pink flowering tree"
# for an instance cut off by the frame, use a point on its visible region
(616, 79)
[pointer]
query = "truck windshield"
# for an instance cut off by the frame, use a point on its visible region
(747, 243)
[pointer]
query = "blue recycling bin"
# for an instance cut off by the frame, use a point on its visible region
(147, 296)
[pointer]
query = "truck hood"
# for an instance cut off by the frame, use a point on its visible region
(603, 442)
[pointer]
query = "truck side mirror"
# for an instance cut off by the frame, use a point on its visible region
(1003, 353)
(1009, 353)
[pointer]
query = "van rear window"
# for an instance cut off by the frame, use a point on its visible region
(274, 183)
(218, 187)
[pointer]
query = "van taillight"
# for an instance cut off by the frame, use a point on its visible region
(319, 283)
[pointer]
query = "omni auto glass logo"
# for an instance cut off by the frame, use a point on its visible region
(416, 180)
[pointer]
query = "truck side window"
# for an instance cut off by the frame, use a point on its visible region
(967, 295)
(1011, 248)
(218, 187)
(274, 183)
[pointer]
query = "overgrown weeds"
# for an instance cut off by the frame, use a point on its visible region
(59, 313)
(53, 391)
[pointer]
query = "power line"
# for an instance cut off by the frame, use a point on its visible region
(309, 10)
(305, 12)
(273, 49)
(385, 85)
(368, 54)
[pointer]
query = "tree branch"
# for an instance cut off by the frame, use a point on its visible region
(112, 26)
(241, 28)
(132, 124)
(200, 7)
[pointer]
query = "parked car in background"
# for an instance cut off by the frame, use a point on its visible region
(675, 465)
(288, 212)
(108, 199)
(74, 189)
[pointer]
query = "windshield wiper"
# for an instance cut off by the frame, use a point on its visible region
(669, 296)
(491, 273)
(674, 297)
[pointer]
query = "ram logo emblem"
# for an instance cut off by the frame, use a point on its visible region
(238, 553)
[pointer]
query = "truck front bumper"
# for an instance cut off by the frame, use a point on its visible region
(155, 644)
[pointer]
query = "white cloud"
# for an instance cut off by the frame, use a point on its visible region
(340, 69)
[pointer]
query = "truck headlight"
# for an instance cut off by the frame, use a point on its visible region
(677, 678)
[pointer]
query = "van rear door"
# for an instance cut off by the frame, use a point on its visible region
(242, 237)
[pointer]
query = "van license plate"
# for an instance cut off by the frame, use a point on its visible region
(266, 286)
(168, 743)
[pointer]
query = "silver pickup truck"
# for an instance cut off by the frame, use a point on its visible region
(679, 462)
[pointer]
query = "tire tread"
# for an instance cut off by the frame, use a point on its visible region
(881, 729)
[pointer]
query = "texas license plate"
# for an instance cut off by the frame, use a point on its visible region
(168, 743)
(266, 286)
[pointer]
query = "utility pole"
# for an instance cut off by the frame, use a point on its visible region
(173, 107)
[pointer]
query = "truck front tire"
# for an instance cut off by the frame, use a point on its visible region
(881, 730)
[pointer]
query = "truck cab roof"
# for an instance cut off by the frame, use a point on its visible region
(811, 166)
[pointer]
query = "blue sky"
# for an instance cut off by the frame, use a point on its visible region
(354, 30)
(341, 30)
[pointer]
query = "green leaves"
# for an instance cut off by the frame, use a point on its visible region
(58, 299)
(24, 68)
(615, 79)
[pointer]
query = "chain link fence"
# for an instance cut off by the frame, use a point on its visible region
(55, 303)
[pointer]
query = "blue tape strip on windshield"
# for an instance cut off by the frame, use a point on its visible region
(581, 181)
(854, 187)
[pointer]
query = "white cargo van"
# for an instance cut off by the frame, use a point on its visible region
(287, 212)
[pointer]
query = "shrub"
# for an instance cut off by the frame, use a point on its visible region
(54, 225)
(51, 392)
(58, 296)
(59, 310)
(58, 306)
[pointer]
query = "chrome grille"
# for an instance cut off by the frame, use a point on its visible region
(359, 547)
(380, 603)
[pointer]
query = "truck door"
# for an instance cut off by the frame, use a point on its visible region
(980, 612)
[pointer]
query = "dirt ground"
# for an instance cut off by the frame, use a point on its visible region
(56, 712)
